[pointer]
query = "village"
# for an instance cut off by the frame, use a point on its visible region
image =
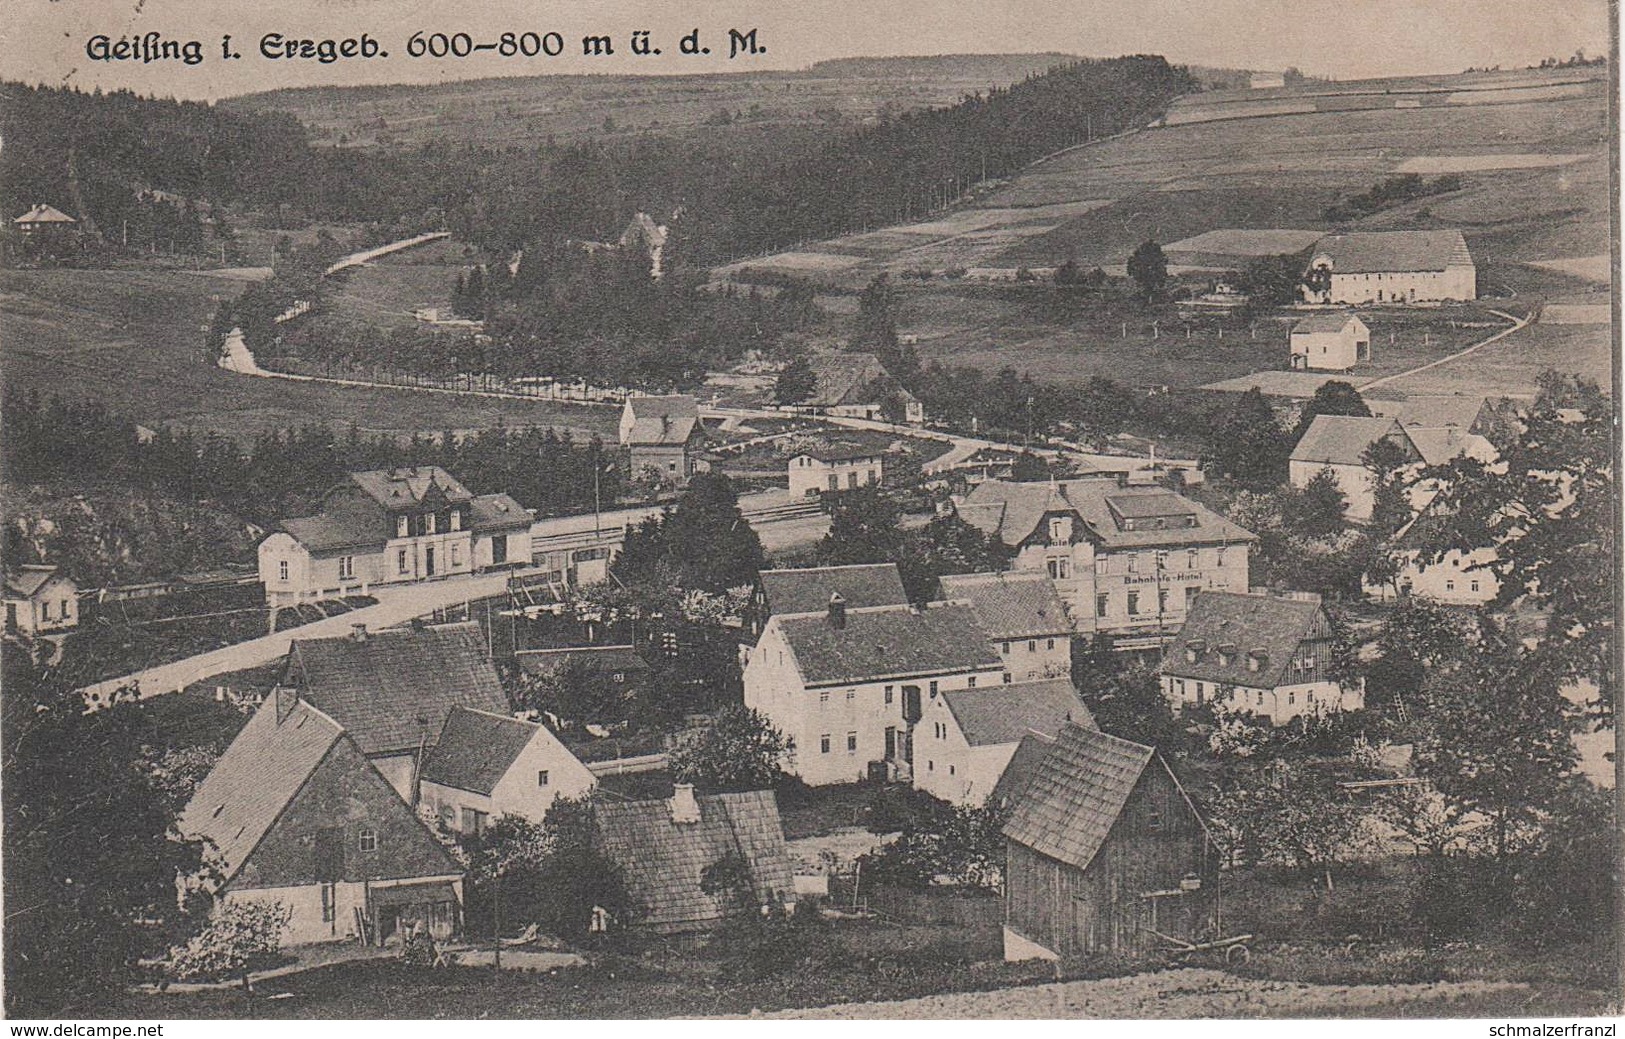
(743, 654)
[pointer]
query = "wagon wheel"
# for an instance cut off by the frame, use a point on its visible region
(1237, 954)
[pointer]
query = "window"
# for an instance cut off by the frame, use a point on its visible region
(823, 696)
(455, 520)
(1102, 604)
(1162, 560)
(889, 696)
(1162, 600)
(428, 522)
(1060, 568)
(930, 766)
(618, 677)
(1032, 645)
(541, 777)
(400, 526)
(1450, 586)
(282, 570)
(1190, 596)
(1008, 678)
(1261, 698)
(823, 744)
(950, 770)
(456, 553)
(1200, 688)
(1219, 558)
(1133, 604)
(474, 821)
(1475, 586)
(933, 690)
(1049, 643)
(970, 683)
(1153, 818)
(852, 480)
(1291, 698)
(400, 561)
(851, 743)
(1133, 565)
(851, 694)
(346, 567)
(1191, 559)
(1004, 648)
(65, 605)
(1057, 530)
(369, 839)
(671, 467)
(834, 482)
(45, 610)
(329, 902)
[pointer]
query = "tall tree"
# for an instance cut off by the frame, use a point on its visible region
(796, 382)
(1335, 397)
(740, 750)
(1248, 445)
(1149, 268)
(702, 543)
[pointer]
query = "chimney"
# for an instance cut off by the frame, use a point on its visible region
(837, 612)
(286, 696)
(358, 633)
(684, 808)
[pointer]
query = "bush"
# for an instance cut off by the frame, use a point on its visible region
(240, 937)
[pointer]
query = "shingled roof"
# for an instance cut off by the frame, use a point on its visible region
(489, 513)
(1343, 439)
(476, 749)
(808, 590)
(662, 861)
(850, 378)
(259, 774)
(604, 660)
(1267, 628)
(27, 579)
(41, 213)
(1013, 511)
(842, 452)
(339, 529)
(1010, 605)
(392, 690)
(1320, 324)
(1018, 774)
(409, 485)
(665, 420)
(1076, 793)
(997, 714)
(887, 642)
(1372, 252)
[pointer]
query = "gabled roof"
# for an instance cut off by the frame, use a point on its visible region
(850, 378)
(661, 421)
(887, 642)
(809, 590)
(25, 580)
(1371, 252)
(1012, 786)
(1343, 439)
(44, 214)
(255, 779)
(407, 486)
(1438, 411)
(1010, 605)
(492, 512)
(341, 528)
(392, 690)
(476, 749)
(1013, 511)
(1333, 323)
(602, 659)
(663, 861)
(1438, 446)
(1263, 627)
(1076, 794)
(997, 714)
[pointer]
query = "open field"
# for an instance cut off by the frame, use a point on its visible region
(387, 291)
(133, 339)
(1510, 366)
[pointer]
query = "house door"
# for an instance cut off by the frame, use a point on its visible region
(499, 549)
(428, 560)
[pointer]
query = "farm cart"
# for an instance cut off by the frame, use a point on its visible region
(1231, 950)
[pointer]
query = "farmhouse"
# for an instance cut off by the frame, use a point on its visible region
(1127, 561)
(1391, 267)
(1023, 615)
(663, 434)
(1330, 342)
(487, 765)
(42, 219)
(849, 685)
(857, 385)
(1268, 656)
(390, 526)
(297, 814)
(967, 737)
(1106, 855)
(40, 600)
(1340, 442)
(809, 590)
(839, 467)
(1456, 578)
(670, 850)
(392, 690)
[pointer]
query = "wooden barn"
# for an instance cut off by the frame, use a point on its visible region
(1106, 855)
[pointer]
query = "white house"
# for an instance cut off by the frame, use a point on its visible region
(42, 218)
(41, 600)
(1330, 342)
(387, 527)
(663, 434)
(1339, 443)
(848, 685)
(1024, 617)
(1391, 267)
(967, 737)
(1456, 578)
(839, 467)
(1260, 654)
(486, 765)
(1127, 561)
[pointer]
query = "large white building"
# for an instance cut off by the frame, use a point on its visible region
(967, 737)
(848, 686)
(839, 467)
(1391, 267)
(1024, 617)
(1127, 561)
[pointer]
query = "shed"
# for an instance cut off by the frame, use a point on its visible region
(1330, 342)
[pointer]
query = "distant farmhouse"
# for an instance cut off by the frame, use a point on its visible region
(42, 219)
(391, 526)
(1330, 343)
(839, 467)
(663, 434)
(40, 600)
(1259, 654)
(1391, 267)
(857, 385)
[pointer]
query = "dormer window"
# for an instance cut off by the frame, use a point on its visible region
(1060, 530)
(455, 521)
(428, 522)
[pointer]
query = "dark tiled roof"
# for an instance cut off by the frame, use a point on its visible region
(808, 591)
(1076, 794)
(1343, 439)
(493, 512)
(1023, 766)
(850, 378)
(347, 528)
(662, 861)
(399, 488)
(996, 714)
(1247, 624)
(887, 642)
(1013, 511)
(255, 779)
(1437, 411)
(1320, 324)
(603, 659)
(662, 420)
(28, 579)
(476, 749)
(1010, 605)
(393, 689)
(1371, 252)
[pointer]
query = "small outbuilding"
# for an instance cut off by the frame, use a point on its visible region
(1330, 343)
(41, 600)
